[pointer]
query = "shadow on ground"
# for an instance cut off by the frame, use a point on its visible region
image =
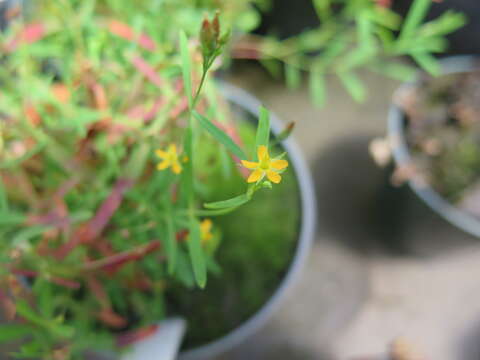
(359, 207)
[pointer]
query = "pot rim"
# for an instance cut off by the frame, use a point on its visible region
(306, 235)
(402, 155)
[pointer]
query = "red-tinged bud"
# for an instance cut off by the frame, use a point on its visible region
(207, 38)
(290, 126)
(216, 26)
(286, 132)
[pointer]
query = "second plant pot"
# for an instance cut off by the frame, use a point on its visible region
(397, 127)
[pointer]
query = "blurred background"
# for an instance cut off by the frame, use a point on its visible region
(386, 272)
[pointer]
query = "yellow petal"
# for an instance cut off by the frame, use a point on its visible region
(172, 149)
(206, 226)
(176, 168)
(262, 153)
(274, 177)
(250, 164)
(161, 154)
(279, 164)
(163, 165)
(255, 176)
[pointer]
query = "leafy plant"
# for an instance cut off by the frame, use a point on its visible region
(354, 34)
(94, 95)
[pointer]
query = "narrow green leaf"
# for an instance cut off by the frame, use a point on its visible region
(353, 85)
(317, 87)
(184, 271)
(186, 68)
(3, 197)
(364, 26)
(263, 129)
(11, 332)
(427, 62)
(417, 12)
(445, 24)
(220, 135)
(171, 245)
(230, 203)
(197, 256)
(385, 17)
(9, 218)
(273, 66)
(293, 76)
(138, 159)
(25, 311)
(323, 9)
(187, 173)
(394, 70)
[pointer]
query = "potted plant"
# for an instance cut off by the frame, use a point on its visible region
(433, 132)
(118, 158)
(341, 38)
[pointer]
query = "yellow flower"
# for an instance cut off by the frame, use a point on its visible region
(169, 159)
(206, 231)
(265, 167)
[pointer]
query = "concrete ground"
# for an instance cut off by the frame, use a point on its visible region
(384, 267)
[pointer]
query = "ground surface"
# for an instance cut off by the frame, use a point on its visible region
(383, 265)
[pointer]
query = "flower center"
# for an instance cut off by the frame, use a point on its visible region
(265, 164)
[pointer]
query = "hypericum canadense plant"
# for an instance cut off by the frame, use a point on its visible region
(353, 35)
(105, 112)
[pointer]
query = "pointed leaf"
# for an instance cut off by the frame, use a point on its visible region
(317, 87)
(353, 86)
(197, 256)
(220, 135)
(417, 12)
(427, 62)
(293, 76)
(230, 203)
(263, 129)
(171, 245)
(186, 67)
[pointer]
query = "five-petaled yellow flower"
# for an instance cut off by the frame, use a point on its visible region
(169, 159)
(206, 231)
(265, 167)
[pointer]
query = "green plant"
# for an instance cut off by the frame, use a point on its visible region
(354, 34)
(94, 93)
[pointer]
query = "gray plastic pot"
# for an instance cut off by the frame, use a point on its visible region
(396, 134)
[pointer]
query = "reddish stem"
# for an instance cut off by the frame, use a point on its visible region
(147, 70)
(115, 262)
(91, 230)
(28, 35)
(71, 284)
(124, 31)
(136, 335)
